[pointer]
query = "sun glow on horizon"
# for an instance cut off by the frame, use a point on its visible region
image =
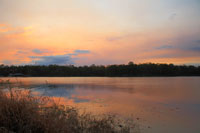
(109, 31)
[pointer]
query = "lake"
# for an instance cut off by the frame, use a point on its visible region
(157, 104)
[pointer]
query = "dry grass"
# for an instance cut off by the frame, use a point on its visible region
(21, 112)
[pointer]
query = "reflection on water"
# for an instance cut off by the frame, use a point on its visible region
(158, 104)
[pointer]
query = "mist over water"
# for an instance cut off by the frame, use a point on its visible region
(157, 104)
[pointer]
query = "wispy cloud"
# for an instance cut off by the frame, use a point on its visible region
(43, 57)
(56, 59)
(4, 28)
(162, 47)
(78, 51)
(39, 51)
(189, 45)
(8, 29)
(21, 52)
(195, 48)
(65, 59)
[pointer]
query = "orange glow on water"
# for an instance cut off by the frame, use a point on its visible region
(159, 103)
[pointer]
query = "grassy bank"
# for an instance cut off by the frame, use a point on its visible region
(22, 112)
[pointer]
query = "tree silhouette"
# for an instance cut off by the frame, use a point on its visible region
(128, 70)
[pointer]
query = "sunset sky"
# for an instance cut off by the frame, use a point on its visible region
(84, 32)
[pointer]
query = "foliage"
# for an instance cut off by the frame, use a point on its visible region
(20, 111)
(131, 69)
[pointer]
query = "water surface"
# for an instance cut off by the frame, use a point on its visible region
(158, 104)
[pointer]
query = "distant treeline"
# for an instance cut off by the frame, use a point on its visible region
(123, 70)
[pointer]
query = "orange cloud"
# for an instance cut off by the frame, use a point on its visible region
(18, 43)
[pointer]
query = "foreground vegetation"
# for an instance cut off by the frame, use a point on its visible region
(130, 69)
(22, 112)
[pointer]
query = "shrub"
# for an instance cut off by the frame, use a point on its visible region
(22, 112)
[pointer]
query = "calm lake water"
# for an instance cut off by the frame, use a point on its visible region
(157, 104)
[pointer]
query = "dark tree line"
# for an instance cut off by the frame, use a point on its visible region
(130, 69)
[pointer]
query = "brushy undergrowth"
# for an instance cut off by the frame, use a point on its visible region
(22, 112)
